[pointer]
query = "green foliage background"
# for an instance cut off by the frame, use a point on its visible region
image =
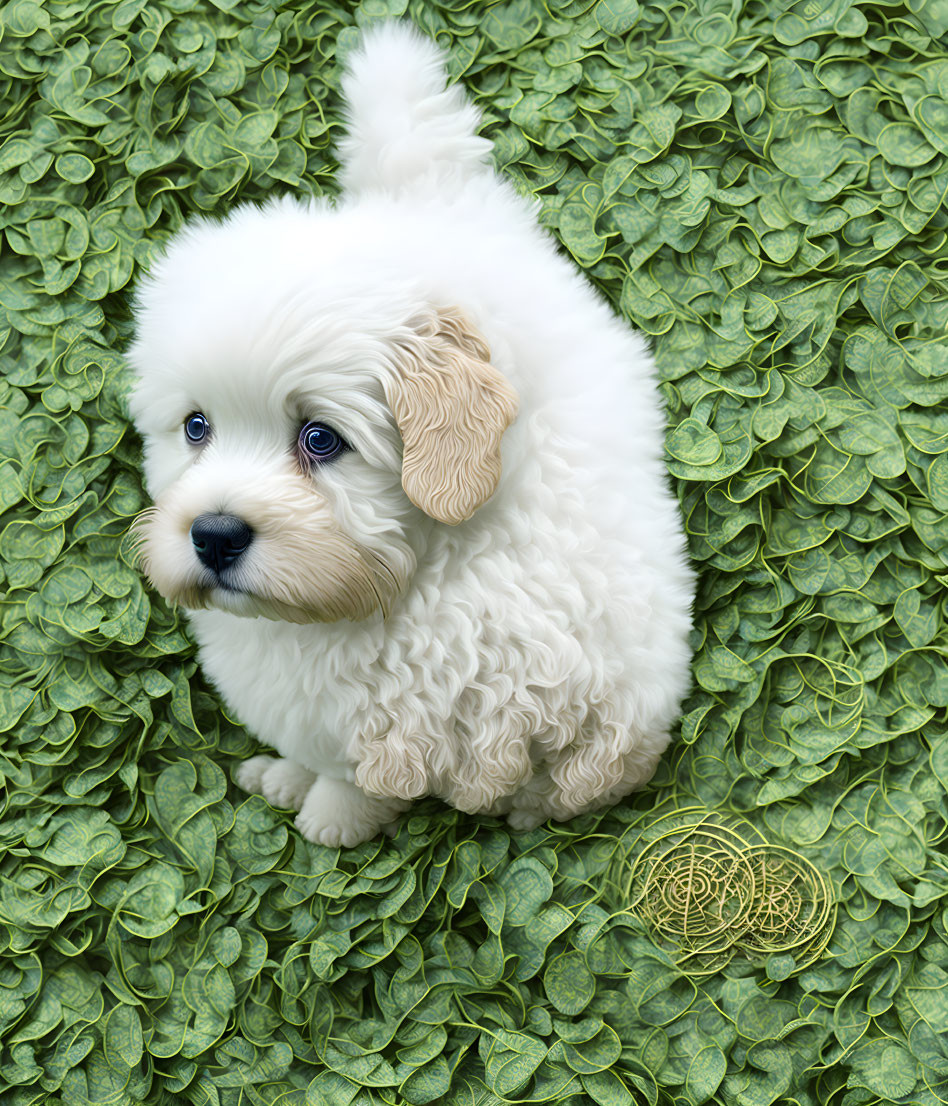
(761, 188)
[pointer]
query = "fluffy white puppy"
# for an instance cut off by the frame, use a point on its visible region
(408, 482)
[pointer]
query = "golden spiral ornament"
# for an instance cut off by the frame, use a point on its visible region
(708, 893)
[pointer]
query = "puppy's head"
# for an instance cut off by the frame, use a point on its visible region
(294, 427)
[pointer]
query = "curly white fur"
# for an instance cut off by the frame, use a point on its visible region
(528, 660)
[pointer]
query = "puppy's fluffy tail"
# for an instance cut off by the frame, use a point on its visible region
(405, 125)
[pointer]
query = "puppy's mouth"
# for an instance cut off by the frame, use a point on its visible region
(228, 595)
(224, 590)
(231, 589)
(224, 584)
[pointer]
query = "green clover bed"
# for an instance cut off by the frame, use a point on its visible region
(761, 189)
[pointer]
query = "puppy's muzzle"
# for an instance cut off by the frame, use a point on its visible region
(220, 540)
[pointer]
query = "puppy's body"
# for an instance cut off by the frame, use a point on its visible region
(530, 657)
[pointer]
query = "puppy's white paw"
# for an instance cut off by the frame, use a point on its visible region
(280, 781)
(338, 813)
(249, 775)
(287, 784)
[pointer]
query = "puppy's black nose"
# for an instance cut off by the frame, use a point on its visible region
(219, 540)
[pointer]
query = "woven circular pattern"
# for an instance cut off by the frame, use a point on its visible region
(708, 893)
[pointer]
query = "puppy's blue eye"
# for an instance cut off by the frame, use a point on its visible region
(196, 427)
(320, 443)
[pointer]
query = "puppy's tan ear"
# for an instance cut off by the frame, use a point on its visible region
(452, 408)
